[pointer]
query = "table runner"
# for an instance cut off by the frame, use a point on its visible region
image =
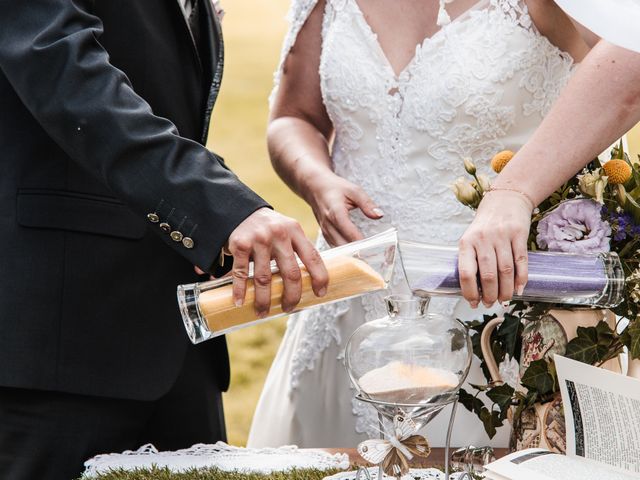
(220, 455)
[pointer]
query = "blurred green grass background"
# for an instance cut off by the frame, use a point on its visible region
(253, 30)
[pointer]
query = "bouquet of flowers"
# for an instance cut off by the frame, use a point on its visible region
(598, 210)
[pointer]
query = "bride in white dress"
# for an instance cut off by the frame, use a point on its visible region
(371, 133)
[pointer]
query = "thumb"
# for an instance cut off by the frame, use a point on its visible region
(368, 206)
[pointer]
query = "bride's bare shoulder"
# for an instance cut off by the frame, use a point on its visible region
(558, 27)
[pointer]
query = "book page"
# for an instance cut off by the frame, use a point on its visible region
(602, 414)
(539, 464)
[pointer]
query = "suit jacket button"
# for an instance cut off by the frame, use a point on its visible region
(153, 218)
(176, 236)
(188, 242)
(165, 227)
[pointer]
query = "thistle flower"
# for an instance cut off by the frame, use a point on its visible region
(618, 171)
(500, 160)
(592, 184)
(466, 193)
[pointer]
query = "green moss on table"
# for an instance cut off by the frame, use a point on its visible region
(212, 474)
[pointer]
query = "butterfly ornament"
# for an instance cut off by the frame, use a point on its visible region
(394, 453)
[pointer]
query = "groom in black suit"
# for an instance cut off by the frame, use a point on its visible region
(108, 199)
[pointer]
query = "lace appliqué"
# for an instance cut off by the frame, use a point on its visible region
(517, 11)
(219, 455)
(320, 329)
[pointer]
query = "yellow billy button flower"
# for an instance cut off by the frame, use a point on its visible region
(618, 171)
(500, 160)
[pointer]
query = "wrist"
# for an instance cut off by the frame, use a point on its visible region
(316, 182)
(531, 204)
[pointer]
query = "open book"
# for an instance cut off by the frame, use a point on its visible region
(602, 415)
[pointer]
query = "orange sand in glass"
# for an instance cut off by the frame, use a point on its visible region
(348, 276)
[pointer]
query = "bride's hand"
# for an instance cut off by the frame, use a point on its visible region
(494, 247)
(331, 198)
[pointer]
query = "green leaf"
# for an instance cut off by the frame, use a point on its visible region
(501, 395)
(491, 420)
(591, 344)
(470, 402)
(632, 207)
(458, 339)
(635, 170)
(510, 334)
(631, 339)
(538, 377)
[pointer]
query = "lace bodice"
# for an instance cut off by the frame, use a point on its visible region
(480, 85)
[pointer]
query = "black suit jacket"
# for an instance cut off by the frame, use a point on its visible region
(104, 110)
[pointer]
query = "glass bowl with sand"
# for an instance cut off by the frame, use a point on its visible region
(410, 359)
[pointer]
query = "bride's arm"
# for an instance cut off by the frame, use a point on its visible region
(600, 104)
(299, 134)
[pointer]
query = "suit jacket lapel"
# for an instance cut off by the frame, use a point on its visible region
(216, 47)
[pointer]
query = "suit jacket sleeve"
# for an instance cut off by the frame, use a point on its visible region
(50, 52)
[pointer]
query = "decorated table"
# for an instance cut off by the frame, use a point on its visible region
(147, 464)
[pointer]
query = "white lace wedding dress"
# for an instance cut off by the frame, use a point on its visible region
(480, 85)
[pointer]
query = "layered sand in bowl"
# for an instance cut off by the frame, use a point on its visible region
(399, 382)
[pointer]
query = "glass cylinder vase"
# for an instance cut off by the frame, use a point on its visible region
(595, 280)
(208, 309)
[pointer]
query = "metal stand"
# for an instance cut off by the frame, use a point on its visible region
(422, 414)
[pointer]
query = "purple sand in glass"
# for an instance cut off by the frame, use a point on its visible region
(554, 277)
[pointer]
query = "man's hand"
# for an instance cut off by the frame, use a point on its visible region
(264, 236)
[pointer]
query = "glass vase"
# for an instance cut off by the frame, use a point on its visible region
(208, 309)
(409, 358)
(594, 280)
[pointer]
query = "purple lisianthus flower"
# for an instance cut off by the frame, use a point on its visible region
(575, 226)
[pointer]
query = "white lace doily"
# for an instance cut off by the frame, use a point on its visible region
(414, 474)
(220, 455)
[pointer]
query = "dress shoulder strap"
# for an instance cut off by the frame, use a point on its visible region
(299, 11)
(517, 11)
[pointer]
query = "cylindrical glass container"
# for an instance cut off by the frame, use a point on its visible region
(592, 280)
(360, 267)
(409, 357)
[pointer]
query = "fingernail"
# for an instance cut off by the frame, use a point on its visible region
(378, 212)
(322, 292)
(474, 305)
(520, 290)
(238, 302)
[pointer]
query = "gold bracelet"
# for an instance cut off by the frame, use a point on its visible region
(507, 189)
